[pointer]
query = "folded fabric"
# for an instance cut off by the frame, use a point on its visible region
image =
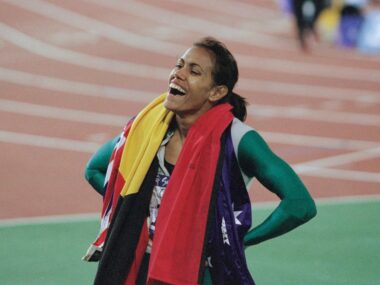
(120, 179)
(178, 252)
(181, 224)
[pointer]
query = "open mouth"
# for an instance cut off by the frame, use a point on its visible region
(176, 90)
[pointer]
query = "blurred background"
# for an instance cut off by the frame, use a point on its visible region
(72, 72)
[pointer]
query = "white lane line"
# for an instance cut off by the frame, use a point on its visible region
(81, 59)
(235, 8)
(116, 34)
(48, 142)
(351, 175)
(315, 115)
(357, 199)
(246, 61)
(308, 91)
(74, 87)
(117, 120)
(257, 110)
(258, 18)
(311, 69)
(321, 202)
(251, 61)
(257, 26)
(183, 21)
(95, 217)
(61, 113)
(336, 160)
(46, 220)
(147, 71)
(317, 141)
(124, 37)
(246, 85)
(309, 168)
(71, 18)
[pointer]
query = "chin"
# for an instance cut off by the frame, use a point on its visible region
(168, 105)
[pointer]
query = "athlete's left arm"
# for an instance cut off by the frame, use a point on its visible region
(296, 207)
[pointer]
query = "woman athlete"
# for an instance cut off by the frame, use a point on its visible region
(176, 208)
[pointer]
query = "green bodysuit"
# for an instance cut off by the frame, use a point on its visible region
(256, 160)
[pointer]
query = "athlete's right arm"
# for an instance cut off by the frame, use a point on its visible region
(96, 167)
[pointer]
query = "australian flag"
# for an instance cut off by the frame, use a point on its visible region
(233, 218)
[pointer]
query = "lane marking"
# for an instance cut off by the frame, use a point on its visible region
(317, 141)
(117, 120)
(307, 91)
(238, 9)
(74, 87)
(329, 201)
(341, 200)
(351, 175)
(80, 59)
(314, 167)
(246, 61)
(48, 142)
(87, 89)
(72, 115)
(314, 115)
(46, 220)
(336, 160)
(96, 27)
(194, 23)
(95, 217)
(147, 71)
(71, 18)
(305, 68)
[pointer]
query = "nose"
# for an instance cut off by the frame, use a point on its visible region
(180, 73)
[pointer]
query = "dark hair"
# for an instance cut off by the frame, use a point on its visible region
(225, 73)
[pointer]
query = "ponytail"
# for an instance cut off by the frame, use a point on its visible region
(239, 105)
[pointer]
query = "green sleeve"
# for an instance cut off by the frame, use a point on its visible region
(296, 206)
(96, 167)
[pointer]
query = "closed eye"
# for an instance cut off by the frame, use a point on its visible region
(194, 72)
(179, 63)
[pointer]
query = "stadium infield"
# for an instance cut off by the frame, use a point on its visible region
(340, 246)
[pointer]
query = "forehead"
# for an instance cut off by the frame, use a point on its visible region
(199, 56)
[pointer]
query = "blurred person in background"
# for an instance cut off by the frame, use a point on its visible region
(351, 19)
(369, 36)
(175, 183)
(353, 7)
(306, 13)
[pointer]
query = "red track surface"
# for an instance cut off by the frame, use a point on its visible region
(67, 85)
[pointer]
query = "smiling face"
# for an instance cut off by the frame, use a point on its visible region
(191, 87)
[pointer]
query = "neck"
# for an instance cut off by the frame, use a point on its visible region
(185, 120)
(183, 125)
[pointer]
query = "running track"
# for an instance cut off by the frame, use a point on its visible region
(72, 72)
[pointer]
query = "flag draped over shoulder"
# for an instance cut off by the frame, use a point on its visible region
(179, 242)
(152, 121)
(181, 224)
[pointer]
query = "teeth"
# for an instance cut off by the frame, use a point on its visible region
(179, 88)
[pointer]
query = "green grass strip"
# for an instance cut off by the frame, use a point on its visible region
(340, 246)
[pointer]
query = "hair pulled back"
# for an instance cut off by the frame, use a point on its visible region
(225, 72)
